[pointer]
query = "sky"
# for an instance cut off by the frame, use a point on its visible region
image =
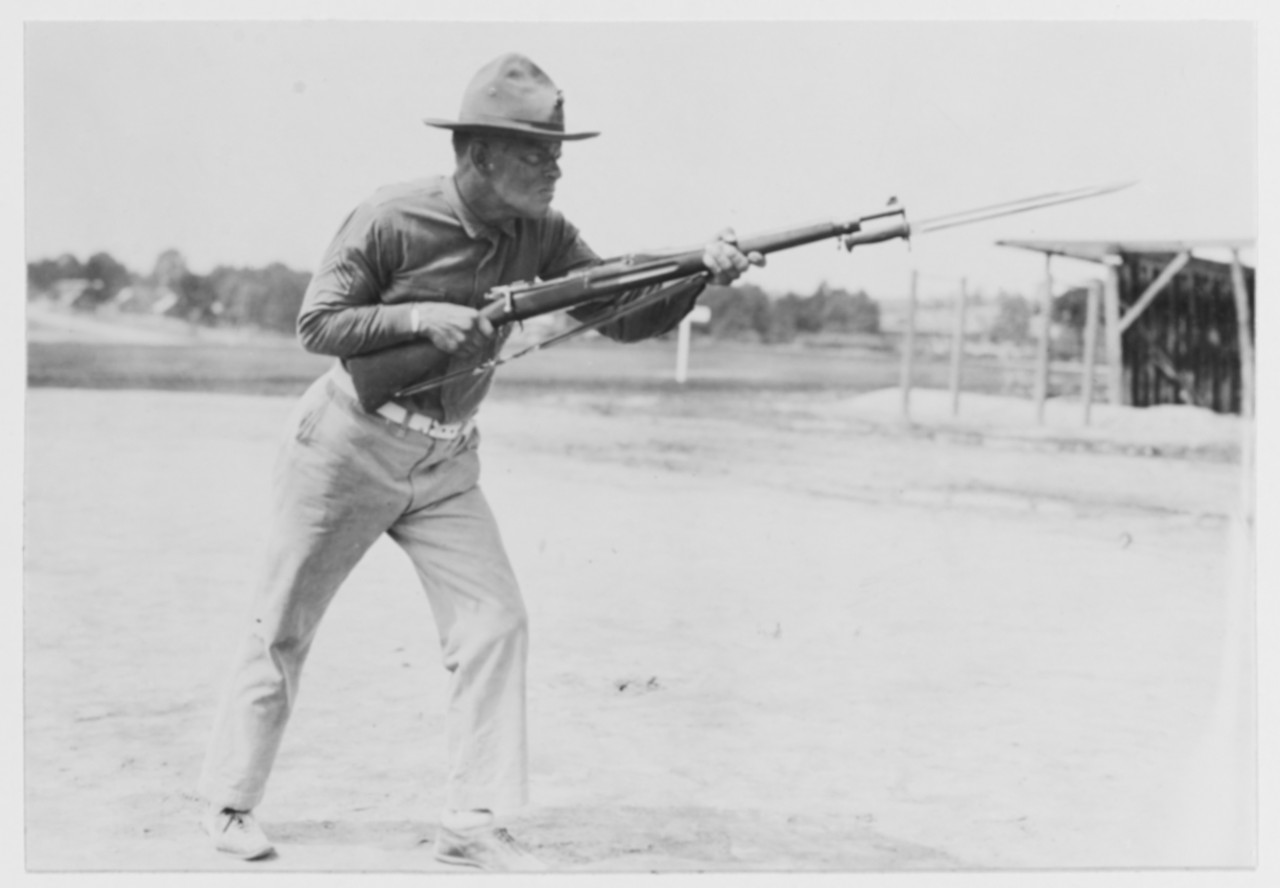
(245, 143)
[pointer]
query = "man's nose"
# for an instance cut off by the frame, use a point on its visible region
(553, 171)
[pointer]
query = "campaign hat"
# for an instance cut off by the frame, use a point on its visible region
(512, 96)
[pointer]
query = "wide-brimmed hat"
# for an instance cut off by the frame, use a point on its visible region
(512, 95)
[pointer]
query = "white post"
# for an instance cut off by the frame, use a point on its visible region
(701, 314)
(682, 350)
(1090, 345)
(1245, 327)
(1115, 346)
(1247, 383)
(909, 345)
(957, 348)
(1042, 352)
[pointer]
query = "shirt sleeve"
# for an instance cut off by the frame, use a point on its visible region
(573, 254)
(342, 312)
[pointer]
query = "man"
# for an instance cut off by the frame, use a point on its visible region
(413, 261)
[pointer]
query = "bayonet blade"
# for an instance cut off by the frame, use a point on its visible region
(1009, 208)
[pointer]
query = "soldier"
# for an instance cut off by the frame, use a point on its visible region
(415, 260)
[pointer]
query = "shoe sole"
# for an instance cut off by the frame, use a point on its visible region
(239, 855)
(260, 856)
(457, 861)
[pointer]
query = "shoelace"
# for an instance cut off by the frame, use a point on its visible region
(510, 841)
(234, 817)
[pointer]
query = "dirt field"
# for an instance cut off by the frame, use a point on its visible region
(758, 644)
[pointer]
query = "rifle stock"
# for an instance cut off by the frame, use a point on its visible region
(381, 375)
(378, 375)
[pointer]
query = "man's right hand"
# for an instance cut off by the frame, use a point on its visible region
(455, 329)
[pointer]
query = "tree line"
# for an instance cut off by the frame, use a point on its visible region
(267, 298)
(745, 311)
(270, 297)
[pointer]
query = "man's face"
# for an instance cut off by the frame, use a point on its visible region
(524, 175)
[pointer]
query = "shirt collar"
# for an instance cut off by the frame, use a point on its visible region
(475, 227)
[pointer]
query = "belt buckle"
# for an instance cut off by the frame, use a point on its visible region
(442, 432)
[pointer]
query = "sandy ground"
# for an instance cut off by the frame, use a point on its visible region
(770, 646)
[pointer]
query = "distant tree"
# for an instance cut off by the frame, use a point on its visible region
(196, 299)
(784, 319)
(845, 312)
(231, 295)
(1071, 307)
(1068, 314)
(267, 297)
(43, 274)
(746, 311)
(738, 312)
(106, 276)
(169, 270)
(1013, 319)
(835, 310)
(285, 289)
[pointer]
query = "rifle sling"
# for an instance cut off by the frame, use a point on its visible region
(493, 363)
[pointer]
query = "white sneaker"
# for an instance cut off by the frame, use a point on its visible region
(236, 833)
(492, 850)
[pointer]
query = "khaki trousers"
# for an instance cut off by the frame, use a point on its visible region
(342, 479)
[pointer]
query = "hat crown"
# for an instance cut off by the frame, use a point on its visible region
(512, 88)
(511, 93)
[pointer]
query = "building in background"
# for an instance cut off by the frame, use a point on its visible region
(1182, 324)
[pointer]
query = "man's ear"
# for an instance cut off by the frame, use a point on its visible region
(482, 156)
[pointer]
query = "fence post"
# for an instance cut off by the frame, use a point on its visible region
(957, 348)
(1115, 347)
(1090, 346)
(909, 345)
(682, 349)
(1042, 350)
(1247, 383)
(700, 314)
(1245, 327)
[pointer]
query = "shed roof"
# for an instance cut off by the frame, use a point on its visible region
(1098, 250)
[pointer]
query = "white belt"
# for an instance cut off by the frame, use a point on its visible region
(424, 424)
(397, 414)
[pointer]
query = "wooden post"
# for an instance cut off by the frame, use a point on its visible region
(909, 345)
(682, 349)
(1090, 345)
(1245, 326)
(701, 314)
(1111, 310)
(957, 348)
(1248, 444)
(1042, 351)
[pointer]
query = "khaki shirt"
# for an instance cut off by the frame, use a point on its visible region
(418, 241)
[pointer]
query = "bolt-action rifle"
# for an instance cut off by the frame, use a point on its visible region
(408, 368)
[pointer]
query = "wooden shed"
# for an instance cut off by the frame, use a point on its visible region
(1181, 325)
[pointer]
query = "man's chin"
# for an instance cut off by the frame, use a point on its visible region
(538, 210)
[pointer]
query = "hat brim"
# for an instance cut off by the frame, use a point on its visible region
(512, 129)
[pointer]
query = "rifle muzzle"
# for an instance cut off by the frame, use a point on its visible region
(879, 230)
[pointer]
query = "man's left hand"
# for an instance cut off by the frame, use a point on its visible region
(725, 261)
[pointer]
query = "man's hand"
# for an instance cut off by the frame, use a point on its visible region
(454, 329)
(725, 261)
